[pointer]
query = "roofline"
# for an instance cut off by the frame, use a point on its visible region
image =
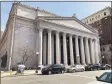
(35, 9)
(93, 29)
(96, 12)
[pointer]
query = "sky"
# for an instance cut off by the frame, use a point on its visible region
(80, 9)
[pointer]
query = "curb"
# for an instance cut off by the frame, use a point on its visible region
(18, 75)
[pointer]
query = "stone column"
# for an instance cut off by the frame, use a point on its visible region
(52, 37)
(65, 50)
(92, 51)
(77, 50)
(40, 47)
(49, 48)
(44, 49)
(57, 48)
(87, 51)
(71, 50)
(96, 52)
(82, 51)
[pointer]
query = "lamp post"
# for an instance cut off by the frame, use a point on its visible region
(103, 59)
(37, 53)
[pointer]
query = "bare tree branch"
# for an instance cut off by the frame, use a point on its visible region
(26, 53)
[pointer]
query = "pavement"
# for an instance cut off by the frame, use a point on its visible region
(12, 73)
(66, 78)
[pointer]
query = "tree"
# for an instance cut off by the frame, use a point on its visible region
(26, 53)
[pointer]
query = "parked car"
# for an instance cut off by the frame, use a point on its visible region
(88, 67)
(105, 78)
(108, 66)
(92, 67)
(76, 68)
(103, 67)
(96, 67)
(53, 69)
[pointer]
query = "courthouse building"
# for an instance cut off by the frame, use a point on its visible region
(57, 39)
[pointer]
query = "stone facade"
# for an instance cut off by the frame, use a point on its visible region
(59, 40)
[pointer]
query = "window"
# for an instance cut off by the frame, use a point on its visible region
(104, 13)
(92, 18)
(100, 49)
(98, 16)
(87, 21)
(103, 49)
(106, 77)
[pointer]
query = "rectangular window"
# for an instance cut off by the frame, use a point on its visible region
(104, 13)
(98, 16)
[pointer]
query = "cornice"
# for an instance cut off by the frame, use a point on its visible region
(96, 12)
(29, 7)
(36, 9)
(56, 18)
(24, 18)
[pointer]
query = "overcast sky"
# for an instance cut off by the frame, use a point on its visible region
(81, 9)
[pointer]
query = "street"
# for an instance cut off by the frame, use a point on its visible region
(66, 78)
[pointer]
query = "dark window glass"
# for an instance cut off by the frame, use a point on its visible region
(104, 13)
(98, 16)
(87, 21)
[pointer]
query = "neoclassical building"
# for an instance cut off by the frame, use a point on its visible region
(57, 39)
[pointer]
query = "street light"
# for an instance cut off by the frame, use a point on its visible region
(103, 59)
(37, 53)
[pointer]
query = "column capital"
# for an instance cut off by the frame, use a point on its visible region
(81, 37)
(49, 30)
(57, 32)
(70, 35)
(86, 38)
(40, 29)
(64, 33)
(76, 36)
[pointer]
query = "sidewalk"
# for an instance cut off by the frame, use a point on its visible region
(12, 74)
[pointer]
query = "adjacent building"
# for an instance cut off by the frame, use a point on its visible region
(57, 39)
(102, 21)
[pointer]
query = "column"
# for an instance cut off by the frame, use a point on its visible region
(96, 52)
(49, 47)
(40, 47)
(52, 37)
(44, 49)
(57, 48)
(87, 51)
(82, 51)
(77, 50)
(71, 50)
(92, 51)
(65, 50)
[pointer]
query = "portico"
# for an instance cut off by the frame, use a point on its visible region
(66, 47)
